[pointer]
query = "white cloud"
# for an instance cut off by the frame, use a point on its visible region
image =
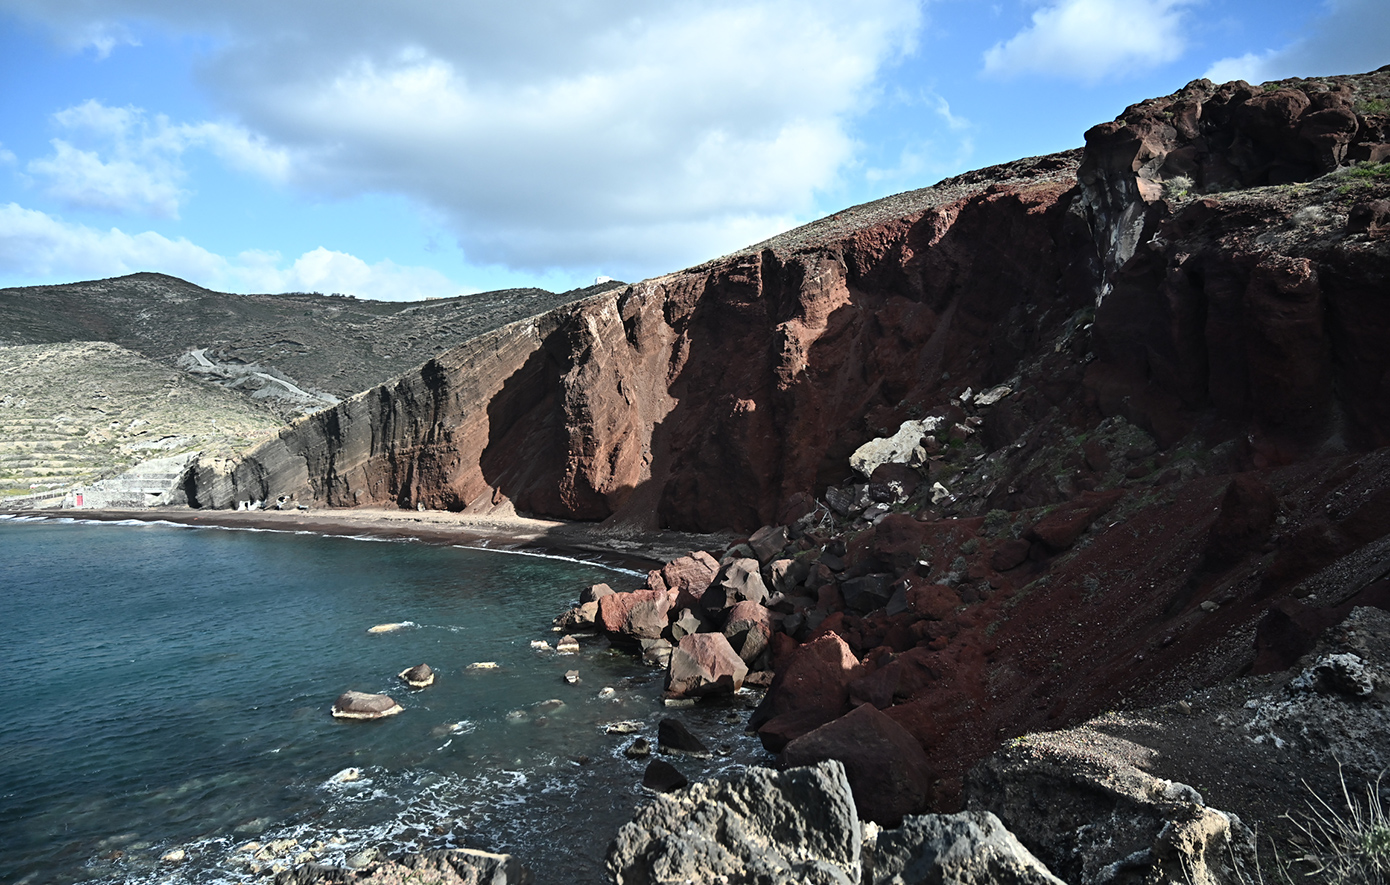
(1349, 37)
(144, 173)
(547, 134)
(1090, 39)
(36, 245)
(7, 156)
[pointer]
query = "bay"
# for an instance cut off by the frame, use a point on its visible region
(169, 688)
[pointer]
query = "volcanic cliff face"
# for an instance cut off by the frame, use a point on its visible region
(1177, 273)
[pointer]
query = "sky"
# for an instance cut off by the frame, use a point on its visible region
(432, 148)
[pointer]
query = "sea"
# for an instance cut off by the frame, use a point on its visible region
(165, 697)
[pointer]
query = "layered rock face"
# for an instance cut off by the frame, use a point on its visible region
(730, 394)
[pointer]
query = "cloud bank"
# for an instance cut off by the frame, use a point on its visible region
(639, 136)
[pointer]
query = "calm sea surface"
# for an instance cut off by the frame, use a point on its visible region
(169, 688)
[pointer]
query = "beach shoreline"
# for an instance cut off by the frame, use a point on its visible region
(636, 550)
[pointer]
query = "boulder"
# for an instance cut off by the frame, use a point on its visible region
(768, 542)
(634, 616)
(887, 770)
(690, 574)
(419, 676)
(663, 777)
(673, 737)
(736, 582)
(583, 618)
(778, 828)
(597, 591)
(893, 483)
(749, 629)
(688, 621)
(866, 593)
(704, 664)
(787, 574)
(903, 447)
(1104, 815)
(360, 705)
(812, 683)
(969, 848)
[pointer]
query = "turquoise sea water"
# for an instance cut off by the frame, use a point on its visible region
(169, 688)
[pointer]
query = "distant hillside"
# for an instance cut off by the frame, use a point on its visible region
(329, 346)
(73, 413)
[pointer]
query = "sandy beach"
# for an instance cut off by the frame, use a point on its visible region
(635, 549)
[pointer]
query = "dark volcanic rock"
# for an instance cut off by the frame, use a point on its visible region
(969, 848)
(779, 828)
(663, 777)
(673, 737)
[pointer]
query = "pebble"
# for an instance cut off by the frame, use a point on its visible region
(483, 665)
(627, 726)
(177, 855)
(638, 749)
(607, 692)
(572, 677)
(540, 645)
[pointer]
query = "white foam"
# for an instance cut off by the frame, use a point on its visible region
(555, 556)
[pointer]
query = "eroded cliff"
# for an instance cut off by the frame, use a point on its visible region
(1195, 270)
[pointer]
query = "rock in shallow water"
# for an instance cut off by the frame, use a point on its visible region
(419, 676)
(360, 705)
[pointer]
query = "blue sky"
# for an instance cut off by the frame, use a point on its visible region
(423, 148)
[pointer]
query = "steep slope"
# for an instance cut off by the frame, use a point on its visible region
(72, 413)
(1209, 269)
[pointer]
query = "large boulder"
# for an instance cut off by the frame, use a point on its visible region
(903, 447)
(418, 676)
(1105, 819)
(689, 575)
(634, 616)
(749, 629)
(361, 705)
(887, 770)
(969, 848)
(779, 828)
(810, 689)
(704, 664)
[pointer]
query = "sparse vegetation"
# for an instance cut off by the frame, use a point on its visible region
(1348, 845)
(1370, 171)
(1177, 187)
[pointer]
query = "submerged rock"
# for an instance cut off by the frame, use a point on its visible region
(360, 705)
(419, 676)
